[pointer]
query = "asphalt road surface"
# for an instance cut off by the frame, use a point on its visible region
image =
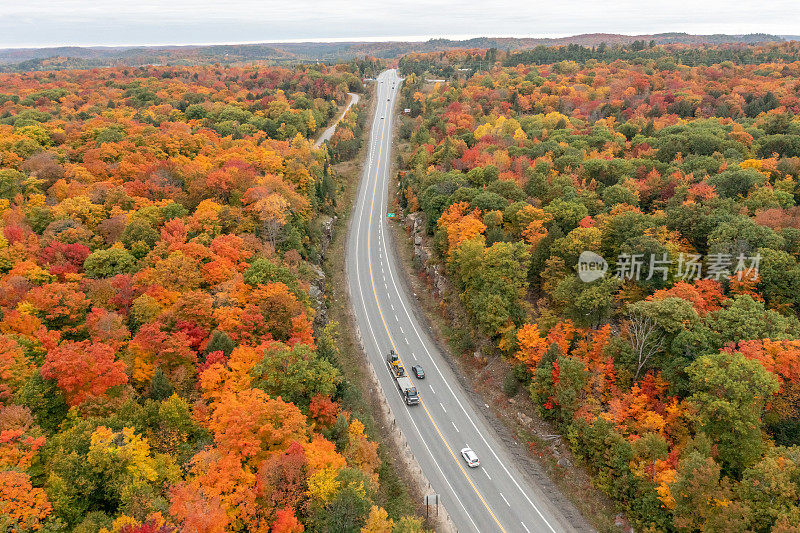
(494, 496)
(328, 133)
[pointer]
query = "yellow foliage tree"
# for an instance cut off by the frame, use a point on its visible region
(323, 485)
(378, 521)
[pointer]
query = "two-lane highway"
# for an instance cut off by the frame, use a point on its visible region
(494, 496)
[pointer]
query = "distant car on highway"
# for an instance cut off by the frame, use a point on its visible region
(470, 457)
(417, 370)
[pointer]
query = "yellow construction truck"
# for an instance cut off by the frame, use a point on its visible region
(407, 389)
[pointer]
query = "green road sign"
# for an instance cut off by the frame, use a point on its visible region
(390, 215)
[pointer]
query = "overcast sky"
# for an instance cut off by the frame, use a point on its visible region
(37, 23)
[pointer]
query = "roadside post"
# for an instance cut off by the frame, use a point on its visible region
(431, 499)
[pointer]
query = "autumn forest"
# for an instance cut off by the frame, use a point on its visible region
(165, 361)
(159, 369)
(674, 377)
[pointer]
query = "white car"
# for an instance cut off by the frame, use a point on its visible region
(470, 457)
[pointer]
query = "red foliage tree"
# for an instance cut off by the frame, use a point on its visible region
(83, 370)
(287, 522)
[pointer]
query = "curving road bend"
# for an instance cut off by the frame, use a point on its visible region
(330, 130)
(494, 496)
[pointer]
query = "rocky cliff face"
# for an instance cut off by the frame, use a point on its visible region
(423, 254)
(317, 288)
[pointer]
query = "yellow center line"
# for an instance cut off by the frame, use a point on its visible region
(391, 339)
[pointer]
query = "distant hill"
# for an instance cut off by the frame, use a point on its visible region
(21, 59)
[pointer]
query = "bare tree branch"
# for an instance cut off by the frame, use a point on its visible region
(645, 338)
